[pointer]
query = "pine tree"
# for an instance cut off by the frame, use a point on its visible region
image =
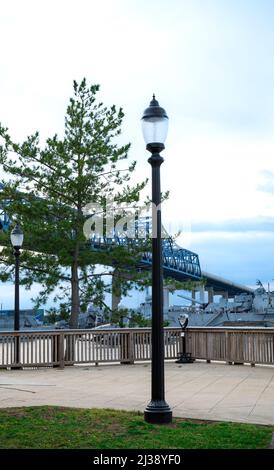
(47, 188)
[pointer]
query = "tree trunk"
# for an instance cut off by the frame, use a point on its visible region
(75, 310)
(75, 298)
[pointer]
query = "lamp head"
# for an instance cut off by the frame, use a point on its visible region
(17, 237)
(154, 123)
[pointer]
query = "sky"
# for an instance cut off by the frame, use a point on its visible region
(210, 64)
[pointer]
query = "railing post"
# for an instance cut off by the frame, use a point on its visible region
(61, 350)
(127, 348)
(17, 353)
(240, 350)
(227, 349)
(131, 348)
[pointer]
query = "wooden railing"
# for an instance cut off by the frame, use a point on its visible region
(66, 347)
(232, 344)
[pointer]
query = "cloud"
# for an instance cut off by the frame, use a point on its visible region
(236, 226)
(241, 259)
(267, 186)
(209, 63)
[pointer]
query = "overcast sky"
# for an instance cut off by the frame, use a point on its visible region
(210, 64)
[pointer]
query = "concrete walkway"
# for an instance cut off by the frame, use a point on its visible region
(203, 391)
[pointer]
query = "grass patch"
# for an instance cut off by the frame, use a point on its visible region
(49, 427)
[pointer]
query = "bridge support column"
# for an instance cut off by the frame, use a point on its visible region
(193, 295)
(202, 294)
(225, 295)
(210, 293)
(117, 278)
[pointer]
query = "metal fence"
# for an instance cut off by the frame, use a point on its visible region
(65, 347)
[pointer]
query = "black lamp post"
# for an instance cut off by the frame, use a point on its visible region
(155, 126)
(16, 238)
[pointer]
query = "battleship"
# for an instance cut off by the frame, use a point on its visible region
(29, 318)
(254, 309)
(245, 309)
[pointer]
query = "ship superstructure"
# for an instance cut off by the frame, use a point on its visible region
(255, 309)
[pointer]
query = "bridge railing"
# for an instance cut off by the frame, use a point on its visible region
(60, 348)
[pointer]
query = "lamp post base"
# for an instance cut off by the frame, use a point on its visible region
(158, 412)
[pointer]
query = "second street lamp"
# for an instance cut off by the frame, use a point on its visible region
(155, 126)
(16, 238)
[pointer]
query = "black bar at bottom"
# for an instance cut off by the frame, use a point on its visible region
(137, 458)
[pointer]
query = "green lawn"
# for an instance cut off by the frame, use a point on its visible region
(66, 428)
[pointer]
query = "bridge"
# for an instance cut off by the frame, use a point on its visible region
(178, 263)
